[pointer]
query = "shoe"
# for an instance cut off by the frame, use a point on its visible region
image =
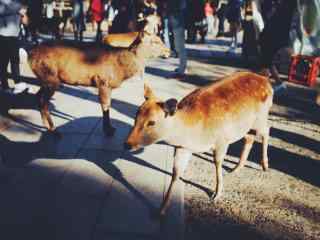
(20, 87)
(231, 50)
(280, 87)
(220, 34)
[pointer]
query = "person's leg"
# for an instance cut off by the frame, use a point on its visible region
(15, 66)
(15, 60)
(99, 32)
(236, 30)
(166, 32)
(179, 41)
(210, 20)
(4, 61)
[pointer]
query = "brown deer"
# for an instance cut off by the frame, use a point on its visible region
(91, 65)
(150, 24)
(210, 117)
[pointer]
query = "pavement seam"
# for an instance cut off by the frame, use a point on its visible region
(107, 193)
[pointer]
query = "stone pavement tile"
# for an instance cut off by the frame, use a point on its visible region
(26, 200)
(172, 225)
(78, 200)
(136, 195)
(21, 148)
(81, 125)
(98, 140)
(18, 132)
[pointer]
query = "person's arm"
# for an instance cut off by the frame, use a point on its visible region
(24, 16)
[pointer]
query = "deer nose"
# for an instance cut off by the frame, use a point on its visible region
(127, 146)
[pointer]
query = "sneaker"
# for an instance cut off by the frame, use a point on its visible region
(280, 87)
(20, 87)
(232, 49)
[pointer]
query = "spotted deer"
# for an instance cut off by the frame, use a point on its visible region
(92, 65)
(209, 118)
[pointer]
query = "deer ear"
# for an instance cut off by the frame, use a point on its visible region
(148, 93)
(170, 106)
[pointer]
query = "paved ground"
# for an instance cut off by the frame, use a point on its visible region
(84, 186)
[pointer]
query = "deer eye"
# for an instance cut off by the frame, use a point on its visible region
(151, 123)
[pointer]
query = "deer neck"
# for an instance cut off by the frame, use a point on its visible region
(141, 52)
(181, 133)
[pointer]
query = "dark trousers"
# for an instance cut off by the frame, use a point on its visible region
(221, 25)
(9, 49)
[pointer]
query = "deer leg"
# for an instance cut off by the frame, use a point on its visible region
(181, 160)
(45, 93)
(105, 101)
(220, 154)
(249, 139)
(265, 142)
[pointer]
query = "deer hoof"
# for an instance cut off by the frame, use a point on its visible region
(55, 133)
(109, 131)
(214, 197)
(265, 166)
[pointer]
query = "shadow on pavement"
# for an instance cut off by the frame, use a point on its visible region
(299, 166)
(83, 94)
(48, 193)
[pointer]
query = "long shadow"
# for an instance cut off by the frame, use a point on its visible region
(196, 80)
(216, 58)
(296, 139)
(300, 105)
(121, 106)
(19, 154)
(28, 101)
(299, 166)
(219, 42)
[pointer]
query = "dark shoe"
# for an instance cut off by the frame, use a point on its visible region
(220, 34)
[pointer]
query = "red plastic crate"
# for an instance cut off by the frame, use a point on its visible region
(304, 70)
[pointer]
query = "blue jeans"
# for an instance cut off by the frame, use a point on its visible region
(166, 38)
(177, 23)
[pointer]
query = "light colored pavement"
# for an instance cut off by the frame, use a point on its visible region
(84, 186)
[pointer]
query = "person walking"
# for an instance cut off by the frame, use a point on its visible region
(97, 12)
(209, 11)
(78, 19)
(176, 15)
(123, 21)
(233, 16)
(12, 14)
(35, 18)
(275, 36)
(221, 15)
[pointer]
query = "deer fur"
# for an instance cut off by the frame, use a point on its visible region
(209, 118)
(91, 65)
(123, 40)
(150, 24)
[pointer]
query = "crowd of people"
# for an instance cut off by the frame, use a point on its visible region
(195, 18)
